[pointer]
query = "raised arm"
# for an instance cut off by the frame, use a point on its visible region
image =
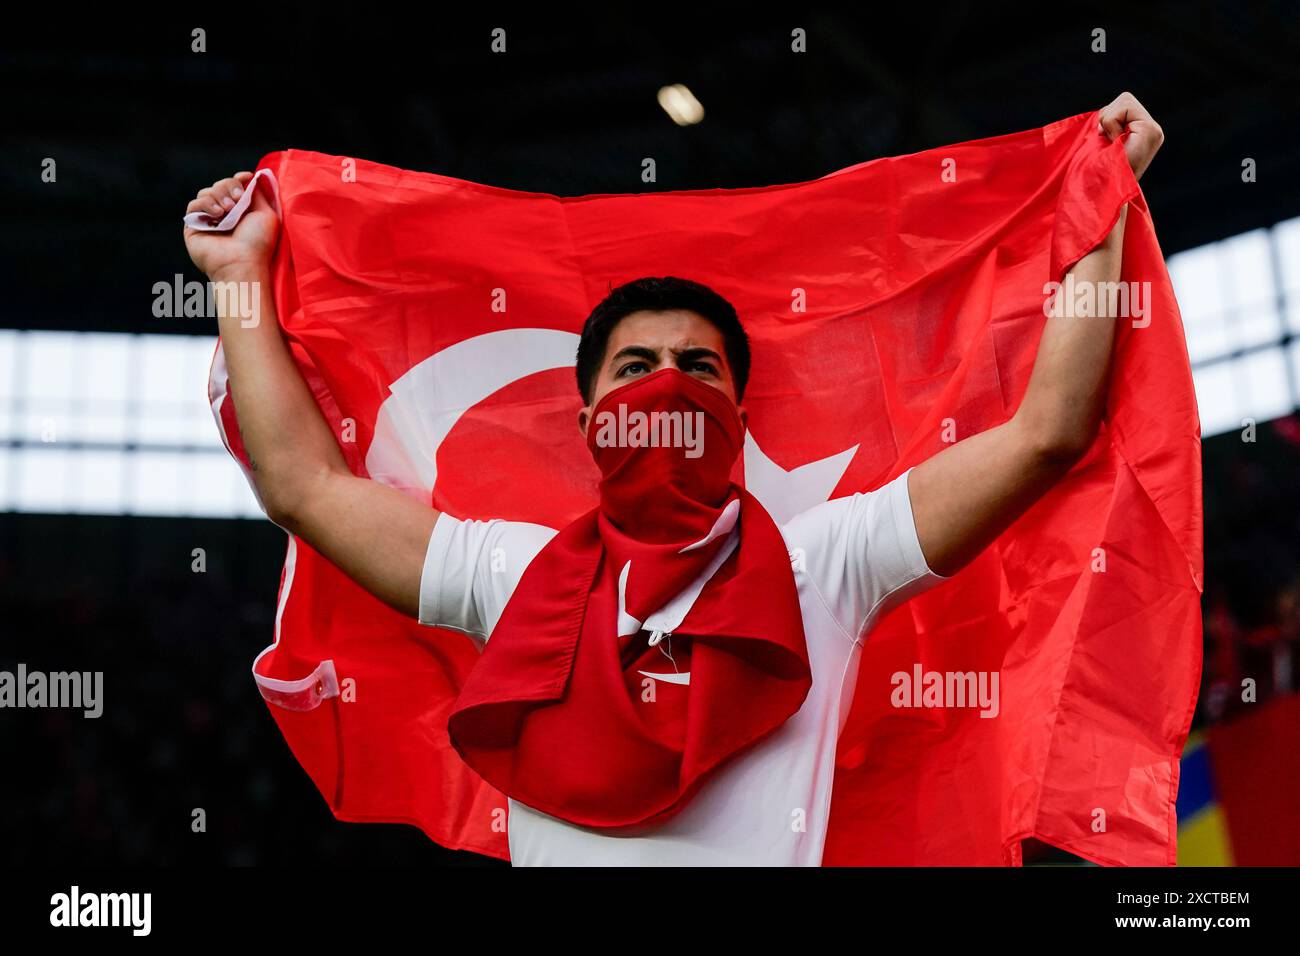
(374, 534)
(966, 495)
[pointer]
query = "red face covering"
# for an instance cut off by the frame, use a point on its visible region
(576, 711)
(665, 445)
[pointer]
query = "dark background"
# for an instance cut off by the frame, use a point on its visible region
(138, 123)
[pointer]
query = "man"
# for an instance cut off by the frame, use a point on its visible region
(678, 588)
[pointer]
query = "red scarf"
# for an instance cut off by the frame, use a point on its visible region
(556, 713)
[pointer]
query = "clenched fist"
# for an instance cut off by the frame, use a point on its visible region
(1145, 134)
(248, 248)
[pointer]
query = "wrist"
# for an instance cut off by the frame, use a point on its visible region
(241, 271)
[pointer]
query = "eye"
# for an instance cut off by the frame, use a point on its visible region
(708, 368)
(627, 369)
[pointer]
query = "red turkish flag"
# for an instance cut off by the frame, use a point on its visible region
(890, 305)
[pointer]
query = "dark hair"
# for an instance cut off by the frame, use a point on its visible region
(657, 295)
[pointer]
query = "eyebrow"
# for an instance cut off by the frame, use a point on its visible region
(650, 355)
(635, 351)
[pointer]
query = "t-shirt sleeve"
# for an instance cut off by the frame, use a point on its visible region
(862, 554)
(472, 567)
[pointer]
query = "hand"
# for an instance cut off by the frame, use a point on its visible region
(249, 246)
(1145, 134)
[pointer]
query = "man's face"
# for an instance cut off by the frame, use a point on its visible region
(644, 342)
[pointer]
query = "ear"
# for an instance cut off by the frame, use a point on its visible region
(744, 418)
(584, 419)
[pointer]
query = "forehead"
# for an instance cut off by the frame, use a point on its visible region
(670, 329)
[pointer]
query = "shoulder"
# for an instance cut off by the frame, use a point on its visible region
(860, 552)
(495, 540)
(472, 567)
(885, 511)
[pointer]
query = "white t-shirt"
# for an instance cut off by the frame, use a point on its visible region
(853, 557)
